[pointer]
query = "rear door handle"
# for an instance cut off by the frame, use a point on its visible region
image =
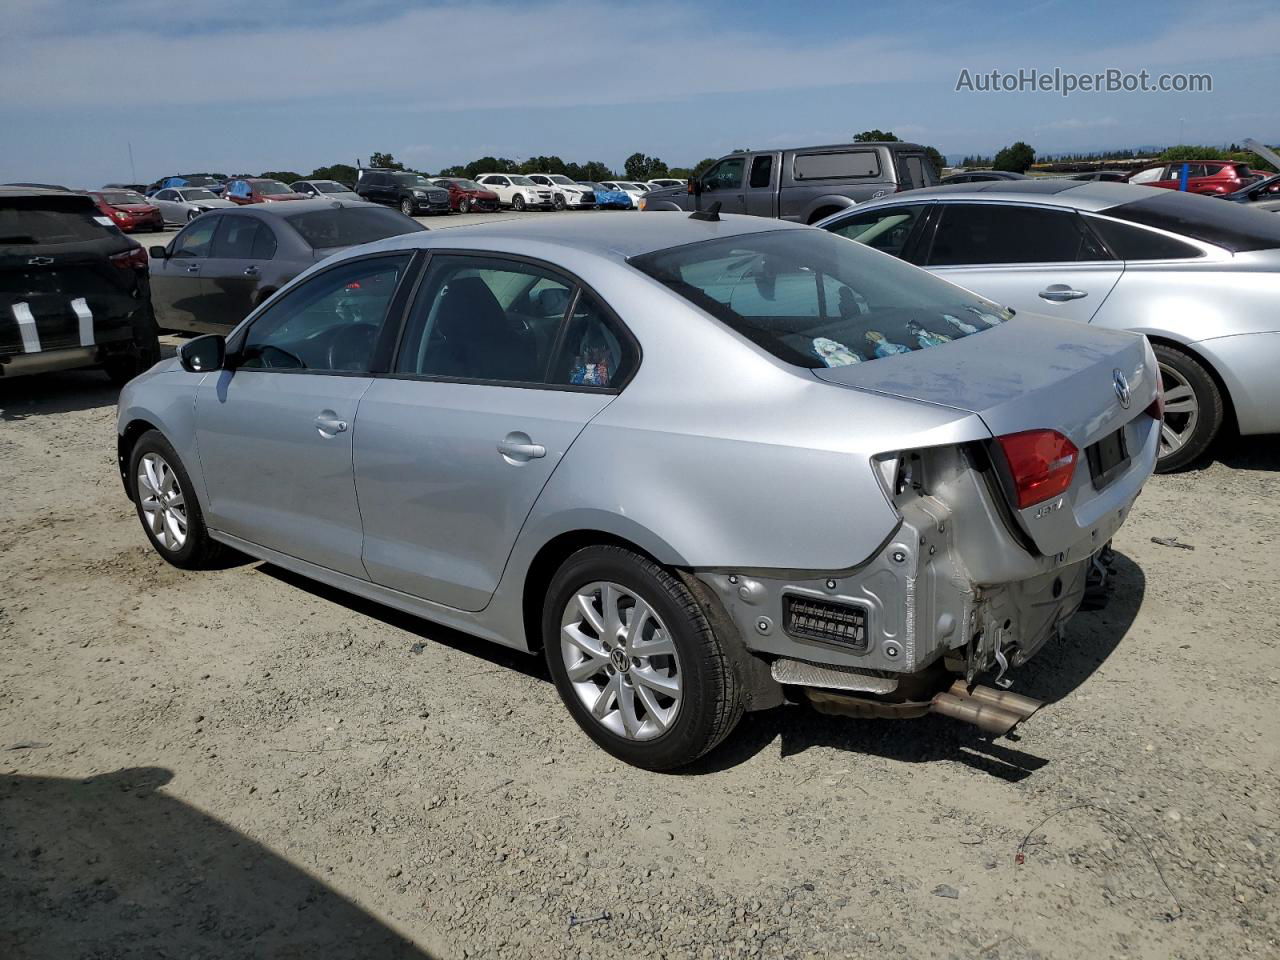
(516, 450)
(1061, 293)
(330, 425)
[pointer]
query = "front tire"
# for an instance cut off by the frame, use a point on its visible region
(406, 207)
(166, 504)
(635, 659)
(1193, 409)
(559, 202)
(517, 203)
(464, 205)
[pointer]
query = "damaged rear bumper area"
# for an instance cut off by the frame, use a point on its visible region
(891, 637)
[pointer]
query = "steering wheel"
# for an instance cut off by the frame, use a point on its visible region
(351, 346)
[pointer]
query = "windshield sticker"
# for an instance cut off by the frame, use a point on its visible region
(991, 320)
(959, 324)
(926, 338)
(833, 353)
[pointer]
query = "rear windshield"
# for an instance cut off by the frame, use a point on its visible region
(816, 300)
(34, 227)
(351, 225)
(1233, 226)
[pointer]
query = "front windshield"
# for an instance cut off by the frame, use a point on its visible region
(413, 180)
(816, 300)
(328, 186)
(271, 188)
(198, 195)
(119, 198)
(523, 182)
(560, 178)
(468, 185)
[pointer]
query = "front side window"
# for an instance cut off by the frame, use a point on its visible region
(762, 170)
(981, 233)
(243, 238)
(725, 175)
(197, 239)
(816, 300)
(886, 228)
(327, 324)
(480, 318)
(1128, 242)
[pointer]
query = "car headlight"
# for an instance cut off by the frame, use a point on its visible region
(419, 193)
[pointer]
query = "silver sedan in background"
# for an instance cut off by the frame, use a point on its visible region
(179, 205)
(323, 190)
(704, 464)
(1199, 277)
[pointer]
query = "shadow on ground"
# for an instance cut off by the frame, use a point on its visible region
(1054, 673)
(113, 867)
(1249, 453)
(63, 391)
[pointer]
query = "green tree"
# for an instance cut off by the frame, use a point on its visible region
(342, 172)
(595, 170)
(284, 176)
(1186, 151)
(703, 165)
(638, 166)
(458, 171)
(935, 158)
(1016, 158)
(384, 160)
(875, 136)
(551, 164)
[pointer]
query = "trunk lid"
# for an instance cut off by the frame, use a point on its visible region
(1039, 373)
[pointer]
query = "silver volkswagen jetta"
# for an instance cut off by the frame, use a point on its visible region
(705, 464)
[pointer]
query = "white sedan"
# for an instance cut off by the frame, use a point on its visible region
(178, 205)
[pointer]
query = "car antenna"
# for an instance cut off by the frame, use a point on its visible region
(712, 213)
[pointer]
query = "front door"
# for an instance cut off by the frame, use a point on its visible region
(242, 247)
(491, 386)
(1034, 259)
(761, 194)
(274, 431)
(177, 287)
(723, 184)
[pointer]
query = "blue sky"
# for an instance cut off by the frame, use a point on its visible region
(248, 85)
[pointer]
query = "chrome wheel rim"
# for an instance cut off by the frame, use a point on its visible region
(164, 509)
(1181, 411)
(621, 661)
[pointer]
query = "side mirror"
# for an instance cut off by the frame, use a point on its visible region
(158, 253)
(203, 353)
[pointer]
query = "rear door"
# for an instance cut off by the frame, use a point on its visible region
(243, 247)
(274, 430)
(491, 386)
(761, 194)
(1035, 259)
(177, 287)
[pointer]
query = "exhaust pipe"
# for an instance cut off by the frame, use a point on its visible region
(993, 711)
(1024, 707)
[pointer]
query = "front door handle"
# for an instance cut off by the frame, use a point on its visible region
(250, 271)
(194, 268)
(518, 448)
(330, 426)
(1061, 293)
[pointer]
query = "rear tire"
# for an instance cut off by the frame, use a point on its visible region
(1194, 409)
(657, 693)
(167, 507)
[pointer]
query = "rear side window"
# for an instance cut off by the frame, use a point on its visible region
(28, 227)
(243, 238)
(350, 226)
(979, 233)
(831, 166)
(912, 171)
(761, 170)
(816, 300)
(1128, 242)
(592, 351)
(1232, 226)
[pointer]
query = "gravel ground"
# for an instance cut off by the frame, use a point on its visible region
(242, 764)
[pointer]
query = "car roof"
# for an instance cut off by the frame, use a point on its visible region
(1051, 191)
(604, 235)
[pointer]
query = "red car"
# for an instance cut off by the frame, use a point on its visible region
(245, 190)
(467, 195)
(1203, 176)
(128, 210)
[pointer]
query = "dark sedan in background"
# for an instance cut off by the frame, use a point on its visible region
(226, 262)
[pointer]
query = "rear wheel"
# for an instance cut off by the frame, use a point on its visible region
(517, 202)
(1193, 409)
(406, 207)
(636, 661)
(167, 506)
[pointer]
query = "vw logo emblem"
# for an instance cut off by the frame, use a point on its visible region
(1122, 387)
(618, 657)
(39, 261)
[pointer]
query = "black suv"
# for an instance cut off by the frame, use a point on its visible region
(74, 290)
(411, 192)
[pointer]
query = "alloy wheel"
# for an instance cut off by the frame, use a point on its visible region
(163, 506)
(1181, 411)
(621, 661)
(464, 205)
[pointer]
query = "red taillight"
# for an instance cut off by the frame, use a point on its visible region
(1042, 463)
(134, 257)
(1155, 409)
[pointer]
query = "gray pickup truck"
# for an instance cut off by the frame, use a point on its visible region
(802, 184)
